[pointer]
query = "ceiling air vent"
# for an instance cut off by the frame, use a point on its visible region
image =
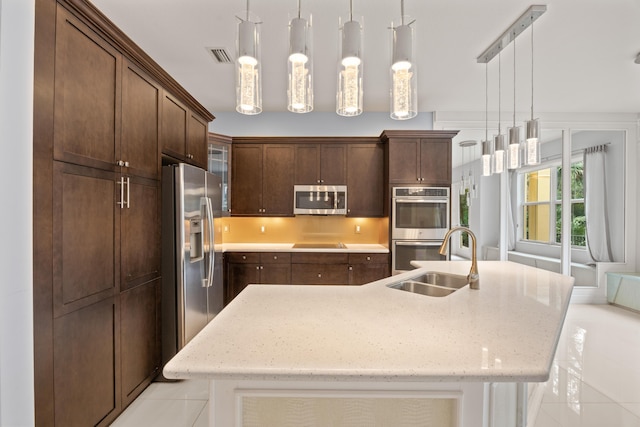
(221, 55)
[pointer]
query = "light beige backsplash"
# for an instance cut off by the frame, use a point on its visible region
(316, 229)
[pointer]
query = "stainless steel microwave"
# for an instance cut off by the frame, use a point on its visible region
(320, 199)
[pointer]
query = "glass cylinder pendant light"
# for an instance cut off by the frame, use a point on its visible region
(513, 158)
(248, 79)
(404, 76)
(300, 92)
(532, 149)
(499, 143)
(487, 144)
(350, 67)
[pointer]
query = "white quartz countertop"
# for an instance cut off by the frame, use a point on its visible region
(506, 331)
(288, 247)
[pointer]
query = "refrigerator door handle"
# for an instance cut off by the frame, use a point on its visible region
(211, 242)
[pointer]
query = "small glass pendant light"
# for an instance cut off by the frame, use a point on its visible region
(350, 68)
(487, 144)
(513, 158)
(300, 65)
(532, 148)
(404, 76)
(248, 64)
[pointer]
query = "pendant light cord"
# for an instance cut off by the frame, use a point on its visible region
(499, 88)
(299, 1)
(486, 101)
(514, 81)
(402, 11)
(351, 12)
(247, 10)
(531, 70)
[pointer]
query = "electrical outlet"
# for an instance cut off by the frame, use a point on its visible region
(262, 229)
(227, 228)
(357, 230)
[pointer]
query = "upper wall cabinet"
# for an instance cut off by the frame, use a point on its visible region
(365, 180)
(419, 157)
(87, 96)
(183, 135)
(321, 164)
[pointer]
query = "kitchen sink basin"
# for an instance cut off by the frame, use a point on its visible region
(338, 245)
(423, 288)
(448, 280)
(432, 283)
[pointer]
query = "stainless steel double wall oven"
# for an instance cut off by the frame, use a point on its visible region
(419, 222)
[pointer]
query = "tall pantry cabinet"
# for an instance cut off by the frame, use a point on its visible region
(97, 158)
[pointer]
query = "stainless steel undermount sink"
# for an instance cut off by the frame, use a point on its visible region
(432, 283)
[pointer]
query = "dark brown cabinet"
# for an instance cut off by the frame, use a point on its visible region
(321, 164)
(367, 267)
(262, 179)
(87, 95)
(315, 268)
(365, 180)
(139, 343)
(245, 268)
(419, 157)
(100, 105)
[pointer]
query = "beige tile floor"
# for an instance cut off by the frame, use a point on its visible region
(595, 380)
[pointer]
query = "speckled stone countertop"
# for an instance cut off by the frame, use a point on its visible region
(288, 247)
(505, 332)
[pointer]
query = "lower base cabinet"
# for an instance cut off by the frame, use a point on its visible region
(301, 268)
(139, 338)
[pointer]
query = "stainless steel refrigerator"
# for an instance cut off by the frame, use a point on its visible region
(192, 289)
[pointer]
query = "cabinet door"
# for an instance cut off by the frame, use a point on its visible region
(85, 365)
(365, 268)
(319, 274)
(435, 161)
(87, 95)
(333, 165)
(277, 180)
(139, 338)
(173, 127)
(275, 274)
(307, 165)
(197, 142)
(140, 124)
(140, 236)
(365, 180)
(239, 275)
(246, 188)
(85, 236)
(404, 161)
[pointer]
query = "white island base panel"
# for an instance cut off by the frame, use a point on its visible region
(248, 403)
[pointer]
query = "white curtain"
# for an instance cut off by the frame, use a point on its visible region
(595, 200)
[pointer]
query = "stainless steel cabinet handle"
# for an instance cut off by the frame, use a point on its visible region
(121, 184)
(211, 243)
(368, 258)
(128, 193)
(319, 275)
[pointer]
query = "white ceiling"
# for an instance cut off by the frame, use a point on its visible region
(584, 51)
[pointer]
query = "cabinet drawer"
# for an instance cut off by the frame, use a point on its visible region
(319, 258)
(244, 257)
(372, 258)
(275, 258)
(319, 274)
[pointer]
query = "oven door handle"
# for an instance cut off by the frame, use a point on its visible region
(421, 200)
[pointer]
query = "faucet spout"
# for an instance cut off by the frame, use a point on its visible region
(473, 277)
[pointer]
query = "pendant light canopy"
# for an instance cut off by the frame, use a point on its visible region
(248, 75)
(404, 76)
(349, 97)
(300, 65)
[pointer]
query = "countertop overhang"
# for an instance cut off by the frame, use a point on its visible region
(505, 332)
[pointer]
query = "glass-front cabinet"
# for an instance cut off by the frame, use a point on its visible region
(218, 164)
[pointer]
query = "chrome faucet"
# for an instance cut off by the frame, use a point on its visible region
(473, 278)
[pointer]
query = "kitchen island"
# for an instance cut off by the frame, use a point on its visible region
(281, 352)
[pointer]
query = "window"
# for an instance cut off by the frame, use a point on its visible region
(542, 205)
(464, 217)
